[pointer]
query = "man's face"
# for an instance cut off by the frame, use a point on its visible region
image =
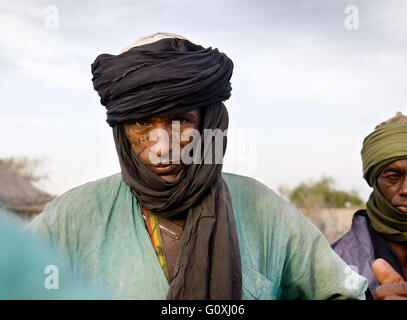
(392, 182)
(138, 135)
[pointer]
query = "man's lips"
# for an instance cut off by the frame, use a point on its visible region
(165, 168)
(402, 208)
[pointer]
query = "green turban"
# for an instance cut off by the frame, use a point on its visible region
(388, 143)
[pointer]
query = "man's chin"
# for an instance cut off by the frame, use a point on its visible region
(171, 177)
(402, 208)
(170, 173)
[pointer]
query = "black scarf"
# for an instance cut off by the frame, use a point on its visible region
(172, 76)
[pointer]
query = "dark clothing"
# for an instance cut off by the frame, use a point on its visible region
(384, 251)
(166, 77)
(361, 245)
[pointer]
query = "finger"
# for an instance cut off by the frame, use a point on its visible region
(384, 272)
(385, 291)
(395, 298)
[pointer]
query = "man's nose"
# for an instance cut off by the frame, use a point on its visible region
(403, 187)
(163, 145)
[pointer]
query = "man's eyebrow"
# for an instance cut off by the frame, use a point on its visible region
(187, 115)
(141, 120)
(391, 169)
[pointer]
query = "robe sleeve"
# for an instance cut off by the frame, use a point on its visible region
(312, 270)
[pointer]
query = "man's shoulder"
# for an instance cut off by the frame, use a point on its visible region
(355, 246)
(82, 213)
(100, 185)
(250, 186)
(84, 198)
(250, 194)
(357, 234)
(93, 189)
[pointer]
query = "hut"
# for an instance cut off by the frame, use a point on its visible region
(19, 195)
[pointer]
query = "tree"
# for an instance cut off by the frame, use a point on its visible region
(321, 194)
(32, 169)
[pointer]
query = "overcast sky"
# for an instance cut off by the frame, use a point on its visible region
(306, 89)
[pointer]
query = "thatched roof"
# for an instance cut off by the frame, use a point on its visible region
(19, 194)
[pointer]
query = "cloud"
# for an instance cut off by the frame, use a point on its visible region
(310, 73)
(65, 76)
(37, 51)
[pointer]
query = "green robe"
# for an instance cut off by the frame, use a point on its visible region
(284, 256)
(30, 269)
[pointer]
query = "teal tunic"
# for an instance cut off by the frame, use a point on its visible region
(30, 269)
(284, 256)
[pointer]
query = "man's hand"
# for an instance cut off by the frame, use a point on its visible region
(392, 286)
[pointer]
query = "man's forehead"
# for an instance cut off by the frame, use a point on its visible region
(396, 165)
(189, 114)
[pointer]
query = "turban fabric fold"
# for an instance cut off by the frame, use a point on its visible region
(173, 76)
(386, 144)
(159, 78)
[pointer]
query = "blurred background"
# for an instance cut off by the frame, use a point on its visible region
(311, 80)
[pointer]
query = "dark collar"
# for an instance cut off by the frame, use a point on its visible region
(383, 250)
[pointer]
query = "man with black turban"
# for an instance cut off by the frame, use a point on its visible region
(377, 241)
(178, 229)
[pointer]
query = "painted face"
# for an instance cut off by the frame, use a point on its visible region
(392, 183)
(139, 135)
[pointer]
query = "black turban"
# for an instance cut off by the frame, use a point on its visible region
(172, 76)
(160, 78)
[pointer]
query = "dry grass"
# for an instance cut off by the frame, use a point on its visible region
(333, 223)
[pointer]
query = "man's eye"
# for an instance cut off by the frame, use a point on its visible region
(184, 121)
(142, 123)
(393, 176)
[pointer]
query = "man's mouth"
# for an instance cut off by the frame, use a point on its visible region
(167, 168)
(402, 208)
